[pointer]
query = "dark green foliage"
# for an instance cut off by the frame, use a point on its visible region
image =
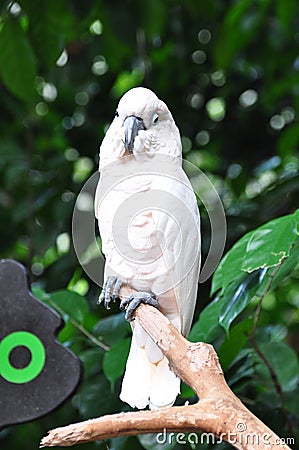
(19, 74)
(229, 72)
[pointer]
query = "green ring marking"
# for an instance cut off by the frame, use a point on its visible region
(34, 367)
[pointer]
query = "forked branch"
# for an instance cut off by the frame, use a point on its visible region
(218, 411)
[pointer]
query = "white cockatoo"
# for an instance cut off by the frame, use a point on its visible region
(150, 230)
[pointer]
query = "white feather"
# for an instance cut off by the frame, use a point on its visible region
(137, 379)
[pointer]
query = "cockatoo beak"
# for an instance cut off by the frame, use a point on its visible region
(132, 125)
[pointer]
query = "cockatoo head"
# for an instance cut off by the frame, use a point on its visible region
(140, 109)
(140, 113)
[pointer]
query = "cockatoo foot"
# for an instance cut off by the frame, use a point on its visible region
(110, 291)
(130, 303)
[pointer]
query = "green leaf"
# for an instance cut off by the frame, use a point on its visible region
(234, 342)
(285, 15)
(46, 26)
(186, 391)
(235, 32)
(112, 328)
(17, 60)
(68, 333)
(287, 267)
(296, 222)
(127, 80)
(114, 361)
(270, 244)
(230, 265)
(267, 246)
(288, 141)
(92, 399)
(40, 293)
(157, 441)
(243, 368)
(238, 295)
(121, 443)
(271, 333)
(153, 17)
(284, 362)
(207, 327)
(69, 304)
(290, 401)
(91, 360)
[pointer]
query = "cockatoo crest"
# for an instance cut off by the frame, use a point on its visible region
(143, 103)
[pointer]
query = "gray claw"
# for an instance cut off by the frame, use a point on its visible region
(130, 303)
(117, 286)
(114, 283)
(101, 297)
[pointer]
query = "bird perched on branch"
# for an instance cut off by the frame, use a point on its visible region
(150, 230)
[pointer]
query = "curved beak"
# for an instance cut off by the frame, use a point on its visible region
(132, 126)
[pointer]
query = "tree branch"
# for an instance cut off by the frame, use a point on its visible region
(218, 411)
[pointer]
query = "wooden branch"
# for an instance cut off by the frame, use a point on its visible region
(218, 411)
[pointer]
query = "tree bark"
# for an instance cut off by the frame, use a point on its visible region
(219, 414)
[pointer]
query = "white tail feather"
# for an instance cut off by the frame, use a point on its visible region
(165, 385)
(145, 383)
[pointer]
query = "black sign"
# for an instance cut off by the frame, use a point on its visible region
(36, 372)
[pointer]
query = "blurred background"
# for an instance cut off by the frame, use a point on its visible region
(229, 72)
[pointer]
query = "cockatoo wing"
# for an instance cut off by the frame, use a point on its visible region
(179, 236)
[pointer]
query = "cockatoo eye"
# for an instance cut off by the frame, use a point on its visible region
(116, 114)
(155, 118)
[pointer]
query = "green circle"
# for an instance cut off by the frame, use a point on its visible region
(35, 366)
